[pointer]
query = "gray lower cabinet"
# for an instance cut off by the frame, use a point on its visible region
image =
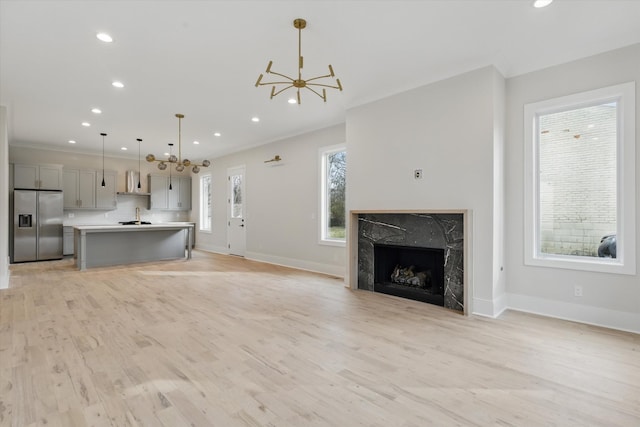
(67, 240)
(178, 198)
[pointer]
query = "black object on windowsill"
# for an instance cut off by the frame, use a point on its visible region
(134, 223)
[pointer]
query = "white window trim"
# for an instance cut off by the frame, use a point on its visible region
(625, 263)
(210, 229)
(322, 203)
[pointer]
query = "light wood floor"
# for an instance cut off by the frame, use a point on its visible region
(222, 341)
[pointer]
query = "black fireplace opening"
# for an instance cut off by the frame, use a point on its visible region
(409, 272)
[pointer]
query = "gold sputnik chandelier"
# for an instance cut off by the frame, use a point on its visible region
(178, 161)
(312, 84)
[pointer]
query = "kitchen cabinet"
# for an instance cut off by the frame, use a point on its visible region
(178, 198)
(37, 177)
(83, 189)
(106, 196)
(67, 240)
(79, 188)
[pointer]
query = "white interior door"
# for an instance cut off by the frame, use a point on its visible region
(237, 201)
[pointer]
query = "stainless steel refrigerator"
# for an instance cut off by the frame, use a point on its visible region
(37, 225)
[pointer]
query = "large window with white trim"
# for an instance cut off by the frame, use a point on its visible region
(205, 203)
(580, 181)
(333, 175)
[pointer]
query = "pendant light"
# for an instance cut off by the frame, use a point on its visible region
(139, 169)
(103, 135)
(170, 157)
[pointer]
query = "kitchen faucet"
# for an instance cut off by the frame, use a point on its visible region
(137, 215)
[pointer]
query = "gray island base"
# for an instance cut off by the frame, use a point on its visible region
(107, 245)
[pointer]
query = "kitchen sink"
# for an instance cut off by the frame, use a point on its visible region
(134, 223)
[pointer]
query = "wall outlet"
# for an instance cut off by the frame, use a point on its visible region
(577, 291)
(417, 174)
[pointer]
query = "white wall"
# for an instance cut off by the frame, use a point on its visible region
(282, 198)
(447, 130)
(126, 204)
(4, 199)
(609, 299)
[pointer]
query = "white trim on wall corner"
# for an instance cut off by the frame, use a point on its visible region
(620, 320)
(4, 273)
(489, 308)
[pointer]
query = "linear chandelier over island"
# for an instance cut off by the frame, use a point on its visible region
(178, 161)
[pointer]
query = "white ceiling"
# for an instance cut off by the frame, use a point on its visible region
(202, 58)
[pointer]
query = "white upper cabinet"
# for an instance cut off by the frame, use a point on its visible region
(37, 177)
(178, 198)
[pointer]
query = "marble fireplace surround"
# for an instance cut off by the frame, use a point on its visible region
(444, 229)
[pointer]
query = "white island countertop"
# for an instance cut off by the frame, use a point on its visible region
(120, 227)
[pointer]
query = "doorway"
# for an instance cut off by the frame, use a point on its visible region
(237, 201)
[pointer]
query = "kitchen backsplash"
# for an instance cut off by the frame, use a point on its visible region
(126, 211)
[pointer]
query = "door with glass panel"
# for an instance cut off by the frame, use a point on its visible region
(237, 201)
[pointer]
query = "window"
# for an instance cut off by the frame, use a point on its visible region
(332, 191)
(580, 181)
(205, 203)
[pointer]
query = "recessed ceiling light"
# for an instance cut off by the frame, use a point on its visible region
(117, 84)
(292, 101)
(196, 142)
(71, 141)
(166, 154)
(104, 37)
(541, 3)
(217, 134)
(124, 148)
(96, 111)
(86, 124)
(255, 119)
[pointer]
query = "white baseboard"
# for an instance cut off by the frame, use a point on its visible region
(621, 320)
(211, 248)
(316, 267)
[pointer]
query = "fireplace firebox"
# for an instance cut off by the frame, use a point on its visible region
(410, 272)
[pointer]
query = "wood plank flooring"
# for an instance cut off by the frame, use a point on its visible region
(222, 341)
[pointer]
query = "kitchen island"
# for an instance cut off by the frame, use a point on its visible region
(106, 245)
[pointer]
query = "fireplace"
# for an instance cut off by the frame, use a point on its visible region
(409, 272)
(416, 248)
